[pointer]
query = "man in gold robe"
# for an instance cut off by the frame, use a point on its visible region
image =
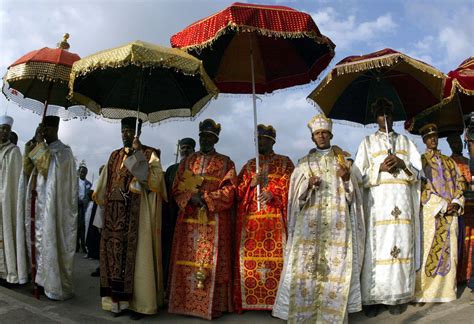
(442, 202)
(200, 281)
(131, 188)
(323, 259)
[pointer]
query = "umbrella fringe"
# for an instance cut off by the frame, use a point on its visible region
(460, 88)
(320, 39)
(385, 61)
(372, 63)
(114, 115)
(38, 70)
(205, 79)
(63, 114)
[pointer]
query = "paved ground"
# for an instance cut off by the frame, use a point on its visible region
(17, 305)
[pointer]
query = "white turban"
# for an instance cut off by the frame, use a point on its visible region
(6, 120)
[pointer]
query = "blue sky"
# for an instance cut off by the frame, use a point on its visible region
(440, 33)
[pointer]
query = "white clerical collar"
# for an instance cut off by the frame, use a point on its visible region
(391, 133)
(323, 151)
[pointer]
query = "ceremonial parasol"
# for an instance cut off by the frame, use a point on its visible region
(461, 82)
(458, 100)
(350, 88)
(142, 80)
(38, 81)
(249, 48)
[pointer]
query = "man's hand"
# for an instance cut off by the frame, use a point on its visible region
(257, 179)
(314, 182)
(392, 163)
(137, 145)
(39, 138)
(344, 173)
(452, 208)
(196, 199)
(265, 197)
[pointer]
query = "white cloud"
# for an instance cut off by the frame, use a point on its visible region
(456, 43)
(346, 30)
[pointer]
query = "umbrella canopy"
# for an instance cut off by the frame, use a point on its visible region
(158, 82)
(39, 80)
(458, 100)
(461, 82)
(350, 88)
(448, 118)
(287, 47)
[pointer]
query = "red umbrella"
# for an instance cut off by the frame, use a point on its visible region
(287, 47)
(461, 82)
(38, 81)
(249, 48)
(458, 100)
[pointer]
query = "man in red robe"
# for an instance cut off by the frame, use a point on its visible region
(200, 282)
(261, 234)
(466, 221)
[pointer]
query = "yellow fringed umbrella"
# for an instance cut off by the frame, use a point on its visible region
(142, 80)
(350, 88)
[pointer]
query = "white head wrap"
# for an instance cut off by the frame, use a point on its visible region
(6, 120)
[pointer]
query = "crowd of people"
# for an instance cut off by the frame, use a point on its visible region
(310, 242)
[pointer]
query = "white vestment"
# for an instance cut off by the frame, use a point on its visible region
(391, 207)
(323, 258)
(56, 217)
(10, 170)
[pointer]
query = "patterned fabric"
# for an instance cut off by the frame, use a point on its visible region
(119, 234)
(10, 170)
(461, 79)
(463, 166)
(391, 208)
(267, 20)
(464, 272)
(320, 279)
(436, 282)
(200, 282)
(261, 235)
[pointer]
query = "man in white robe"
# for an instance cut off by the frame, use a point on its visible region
(50, 168)
(388, 167)
(320, 279)
(10, 169)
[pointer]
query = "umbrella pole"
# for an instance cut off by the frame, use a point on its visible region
(177, 152)
(388, 138)
(254, 99)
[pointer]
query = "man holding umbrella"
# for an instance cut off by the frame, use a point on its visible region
(51, 167)
(131, 188)
(388, 166)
